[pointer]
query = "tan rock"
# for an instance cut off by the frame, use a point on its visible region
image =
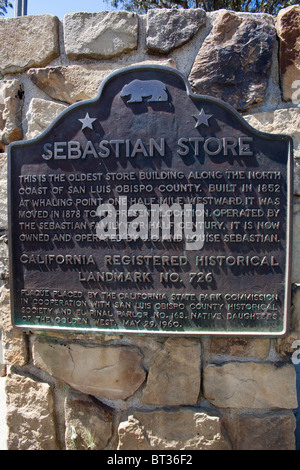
(4, 255)
(11, 105)
(288, 27)
(172, 430)
(289, 346)
(174, 379)
(281, 121)
(70, 83)
(267, 431)
(2, 363)
(40, 115)
(250, 385)
(29, 414)
(74, 83)
(34, 39)
(88, 424)
(15, 349)
(241, 346)
(100, 35)
(103, 371)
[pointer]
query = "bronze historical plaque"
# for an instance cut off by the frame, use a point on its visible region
(152, 210)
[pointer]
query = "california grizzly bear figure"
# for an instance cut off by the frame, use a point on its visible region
(150, 90)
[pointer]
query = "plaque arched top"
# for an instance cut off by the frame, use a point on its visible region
(145, 86)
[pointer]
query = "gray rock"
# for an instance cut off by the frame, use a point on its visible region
(234, 61)
(168, 29)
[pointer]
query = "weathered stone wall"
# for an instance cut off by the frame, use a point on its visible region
(129, 392)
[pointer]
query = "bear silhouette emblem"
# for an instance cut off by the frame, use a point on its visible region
(148, 90)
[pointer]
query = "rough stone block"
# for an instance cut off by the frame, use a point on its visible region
(28, 41)
(88, 423)
(168, 29)
(74, 83)
(265, 431)
(174, 379)
(100, 35)
(113, 372)
(172, 430)
(11, 105)
(15, 350)
(242, 347)
(4, 260)
(288, 27)
(289, 346)
(71, 83)
(234, 61)
(250, 385)
(40, 115)
(281, 121)
(29, 414)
